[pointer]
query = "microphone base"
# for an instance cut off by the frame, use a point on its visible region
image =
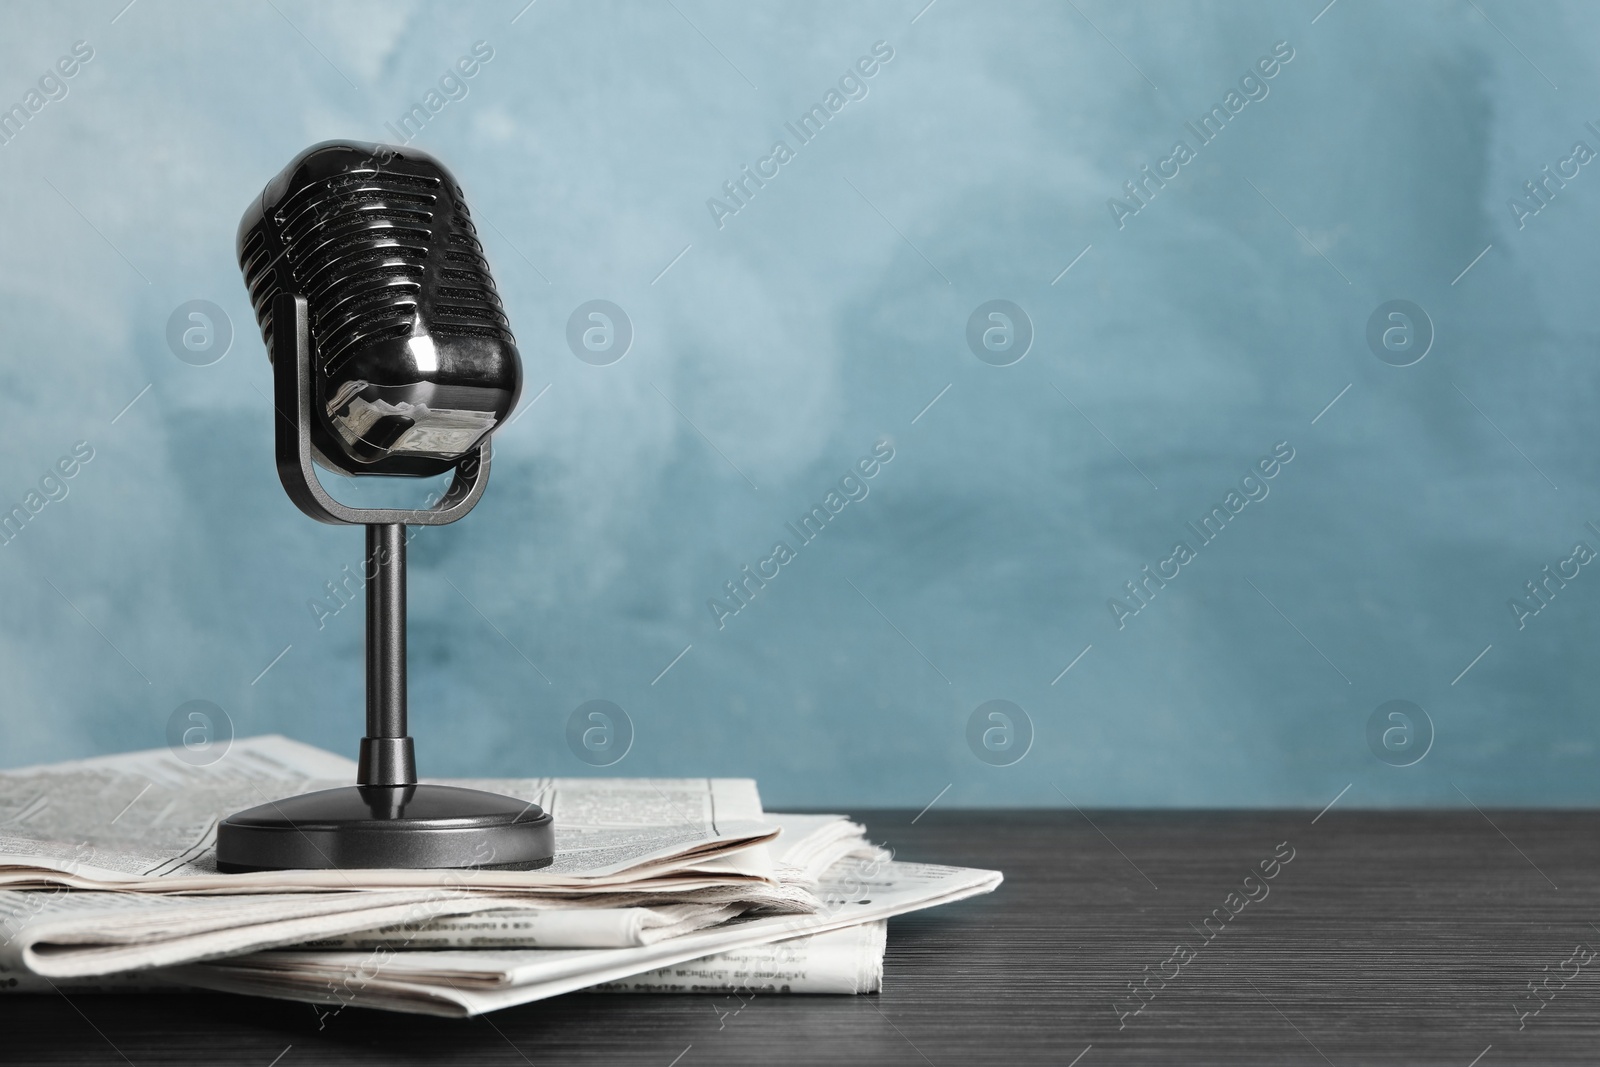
(410, 827)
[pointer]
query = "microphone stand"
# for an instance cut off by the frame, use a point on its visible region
(386, 819)
(387, 754)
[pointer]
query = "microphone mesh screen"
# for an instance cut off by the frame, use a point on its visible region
(374, 249)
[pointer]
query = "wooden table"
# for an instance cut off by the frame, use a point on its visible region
(1393, 938)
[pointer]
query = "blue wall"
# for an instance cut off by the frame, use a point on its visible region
(1201, 326)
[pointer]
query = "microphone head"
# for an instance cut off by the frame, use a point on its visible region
(413, 360)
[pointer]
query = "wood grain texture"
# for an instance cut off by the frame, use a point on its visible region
(1389, 938)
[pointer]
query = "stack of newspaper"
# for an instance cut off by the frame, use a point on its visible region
(108, 880)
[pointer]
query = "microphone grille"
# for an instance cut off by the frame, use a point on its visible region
(379, 242)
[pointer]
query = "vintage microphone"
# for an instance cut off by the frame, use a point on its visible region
(391, 355)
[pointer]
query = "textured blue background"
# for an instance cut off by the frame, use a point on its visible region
(822, 317)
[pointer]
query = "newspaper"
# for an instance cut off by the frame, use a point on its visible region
(539, 928)
(67, 934)
(77, 933)
(807, 847)
(467, 982)
(107, 875)
(146, 822)
(839, 961)
(81, 935)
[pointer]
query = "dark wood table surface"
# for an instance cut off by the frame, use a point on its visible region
(1387, 938)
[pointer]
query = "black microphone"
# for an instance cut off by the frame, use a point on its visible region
(391, 355)
(415, 362)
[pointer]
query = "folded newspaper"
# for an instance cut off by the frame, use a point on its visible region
(109, 882)
(465, 982)
(146, 822)
(848, 961)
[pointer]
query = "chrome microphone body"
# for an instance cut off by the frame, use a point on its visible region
(415, 361)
